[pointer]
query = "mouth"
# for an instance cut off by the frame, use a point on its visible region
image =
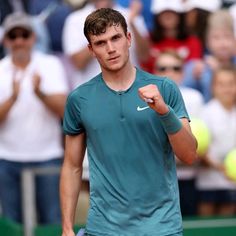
(113, 58)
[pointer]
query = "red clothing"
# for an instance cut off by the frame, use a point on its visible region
(189, 48)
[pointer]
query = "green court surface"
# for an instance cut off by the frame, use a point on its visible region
(192, 227)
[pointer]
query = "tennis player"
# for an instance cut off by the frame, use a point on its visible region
(132, 123)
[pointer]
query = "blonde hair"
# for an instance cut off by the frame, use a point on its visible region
(220, 19)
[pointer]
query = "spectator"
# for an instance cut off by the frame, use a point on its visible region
(170, 64)
(170, 33)
(196, 16)
(32, 98)
(55, 20)
(7, 7)
(221, 45)
(217, 193)
(75, 44)
(146, 11)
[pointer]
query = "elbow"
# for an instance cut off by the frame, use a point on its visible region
(191, 158)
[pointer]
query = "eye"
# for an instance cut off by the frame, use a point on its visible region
(116, 37)
(100, 43)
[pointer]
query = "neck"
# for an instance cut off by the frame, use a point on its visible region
(21, 60)
(120, 80)
(228, 105)
(170, 33)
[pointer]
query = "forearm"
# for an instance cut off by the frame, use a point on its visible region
(142, 45)
(70, 184)
(184, 145)
(55, 103)
(81, 59)
(181, 139)
(5, 107)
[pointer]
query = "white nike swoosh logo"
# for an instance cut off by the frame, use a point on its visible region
(142, 108)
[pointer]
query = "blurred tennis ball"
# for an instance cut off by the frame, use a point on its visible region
(230, 164)
(202, 134)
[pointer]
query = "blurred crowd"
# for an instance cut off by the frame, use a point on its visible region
(44, 55)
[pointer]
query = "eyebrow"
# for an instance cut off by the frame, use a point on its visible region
(117, 35)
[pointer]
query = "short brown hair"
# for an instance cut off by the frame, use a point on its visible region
(97, 22)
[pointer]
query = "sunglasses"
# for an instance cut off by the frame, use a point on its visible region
(12, 35)
(168, 68)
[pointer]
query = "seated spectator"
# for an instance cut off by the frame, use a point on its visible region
(217, 193)
(170, 64)
(32, 96)
(220, 42)
(169, 32)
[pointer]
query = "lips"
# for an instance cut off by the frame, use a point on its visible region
(113, 58)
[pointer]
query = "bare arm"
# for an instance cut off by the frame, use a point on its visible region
(81, 59)
(54, 102)
(6, 106)
(184, 143)
(70, 180)
(142, 43)
(182, 140)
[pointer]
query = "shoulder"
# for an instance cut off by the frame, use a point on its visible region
(212, 106)
(5, 62)
(79, 15)
(85, 89)
(46, 59)
(193, 93)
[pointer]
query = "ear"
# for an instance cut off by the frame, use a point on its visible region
(90, 49)
(5, 42)
(128, 36)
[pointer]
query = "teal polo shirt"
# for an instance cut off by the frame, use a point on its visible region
(133, 183)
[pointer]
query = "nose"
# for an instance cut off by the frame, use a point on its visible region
(110, 47)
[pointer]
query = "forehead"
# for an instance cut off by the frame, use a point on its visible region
(166, 59)
(223, 32)
(109, 33)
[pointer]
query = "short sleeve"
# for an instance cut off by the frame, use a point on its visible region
(72, 124)
(174, 99)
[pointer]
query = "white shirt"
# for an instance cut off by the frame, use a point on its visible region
(222, 126)
(194, 102)
(31, 132)
(74, 40)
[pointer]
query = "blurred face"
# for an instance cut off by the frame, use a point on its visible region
(168, 19)
(224, 87)
(103, 3)
(19, 42)
(190, 18)
(221, 43)
(111, 48)
(169, 66)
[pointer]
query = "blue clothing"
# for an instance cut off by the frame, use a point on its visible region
(146, 11)
(133, 183)
(202, 84)
(47, 191)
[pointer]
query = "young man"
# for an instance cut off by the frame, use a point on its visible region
(132, 123)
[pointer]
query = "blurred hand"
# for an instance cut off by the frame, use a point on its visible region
(212, 62)
(198, 68)
(151, 94)
(135, 9)
(36, 84)
(15, 85)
